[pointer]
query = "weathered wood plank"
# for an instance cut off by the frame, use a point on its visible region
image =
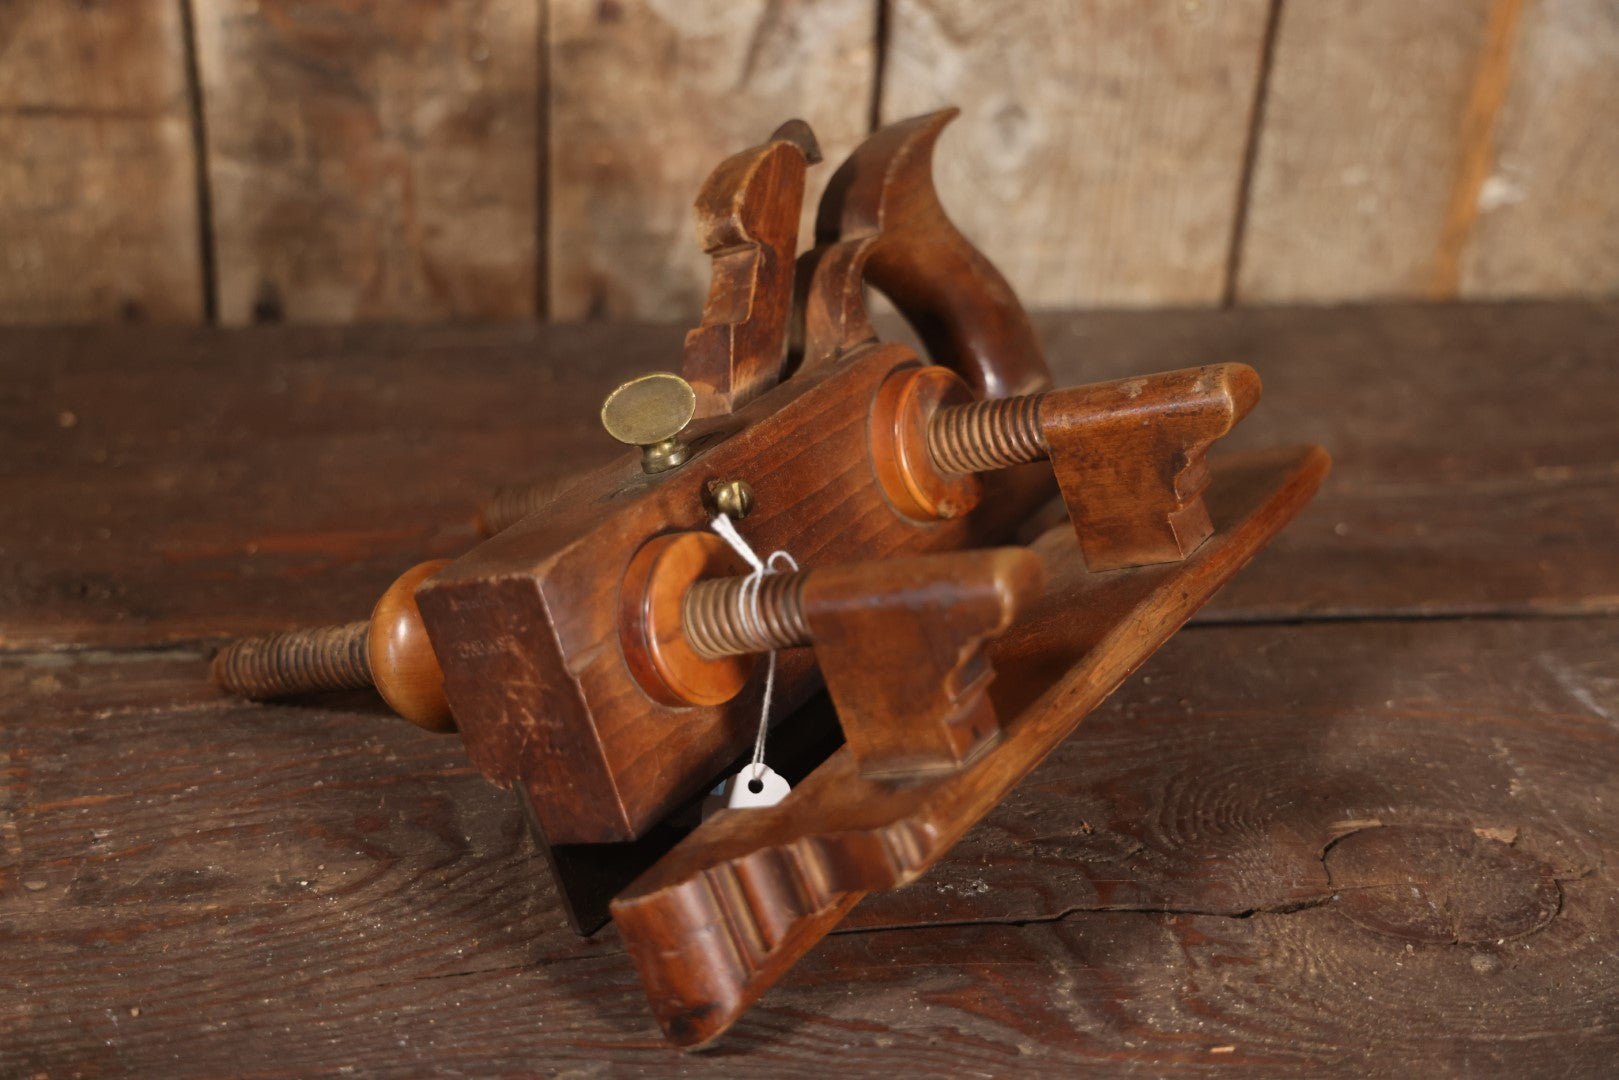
(272, 476)
(1475, 439)
(98, 191)
(1363, 140)
(1548, 215)
(170, 486)
(1433, 150)
(1292, 737)
(647, 96)
(228, 888)
(373, 161)
(1099, 154)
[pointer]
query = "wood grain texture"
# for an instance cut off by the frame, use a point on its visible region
(227, 888)
(1548, 214)
(98, 192)
(286, 476)
(239, 473)
(541, 669)
(1363, 138)
(1491, 72)
(901, 647)
(646, 96)
(1280, 849)
(747, 223)
(891, 233)
(528, 627)
(403, 666)
(1143, 503)
(372, 161)
(720, 918)
(1100, 148)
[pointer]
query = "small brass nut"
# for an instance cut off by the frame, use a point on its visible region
(733, 498)
(650, 411)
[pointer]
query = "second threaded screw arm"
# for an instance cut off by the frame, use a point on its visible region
(720, 620)
(296, 662)
(389, 651)
(984, 435)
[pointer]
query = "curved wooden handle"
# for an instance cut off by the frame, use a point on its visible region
(881, 220)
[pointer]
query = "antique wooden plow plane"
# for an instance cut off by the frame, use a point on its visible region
(966, 558)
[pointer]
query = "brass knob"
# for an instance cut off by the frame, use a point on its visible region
(650, 411)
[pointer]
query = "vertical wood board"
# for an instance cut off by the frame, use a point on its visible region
(1548, 214)
(1360, 147)
(647, 96)
(1100, 149)
(372, 161)
(98, 211)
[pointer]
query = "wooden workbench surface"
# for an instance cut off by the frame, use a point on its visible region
(1363, 818)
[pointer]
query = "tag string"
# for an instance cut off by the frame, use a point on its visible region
(752, 618)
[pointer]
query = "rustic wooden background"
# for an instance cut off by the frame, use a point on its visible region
(240, 161)
(1427, 659)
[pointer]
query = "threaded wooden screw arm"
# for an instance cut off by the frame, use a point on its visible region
(898, 641)
(1128, 455)
(296, 662)
(389, 651)
(720, 621)
(984, 435)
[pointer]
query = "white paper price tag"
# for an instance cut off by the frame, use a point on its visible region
(756, 785)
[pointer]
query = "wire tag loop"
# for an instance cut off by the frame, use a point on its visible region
(757, 784)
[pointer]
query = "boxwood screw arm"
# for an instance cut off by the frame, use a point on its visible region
(389, 651)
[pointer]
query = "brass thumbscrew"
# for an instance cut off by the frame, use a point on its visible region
(651, 411)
